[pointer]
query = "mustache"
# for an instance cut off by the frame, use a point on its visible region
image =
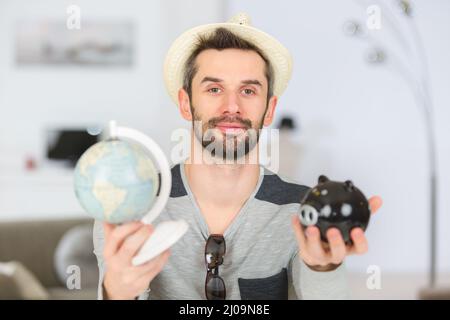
(231, 119)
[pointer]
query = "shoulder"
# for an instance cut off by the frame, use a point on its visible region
(280, 190)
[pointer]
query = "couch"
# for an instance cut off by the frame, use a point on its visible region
(34, 244)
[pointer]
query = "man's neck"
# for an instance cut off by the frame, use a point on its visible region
(224, 185)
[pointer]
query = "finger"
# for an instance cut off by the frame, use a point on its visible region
(298, 230)
(350, 248)
(360, 243)
(135, 273)
(375, 203)
(314, 245)
(156, 267)
(162, 261)
(117, 236)
(134, 242)
(107, 229)
(143, 269)
(337, 245)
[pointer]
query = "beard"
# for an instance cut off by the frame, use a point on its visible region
(223, 144)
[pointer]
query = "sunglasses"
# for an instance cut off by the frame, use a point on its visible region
(214, 252)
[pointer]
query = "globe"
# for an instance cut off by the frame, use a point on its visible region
(116, 181)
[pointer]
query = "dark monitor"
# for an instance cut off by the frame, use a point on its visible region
(69, 144)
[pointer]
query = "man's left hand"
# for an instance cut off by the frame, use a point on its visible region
(321, 256)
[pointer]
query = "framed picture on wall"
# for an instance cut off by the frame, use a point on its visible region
(96, 43)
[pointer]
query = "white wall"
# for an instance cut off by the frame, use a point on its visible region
(33, 99)
(360, 121)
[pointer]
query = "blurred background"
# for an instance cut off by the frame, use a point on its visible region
(356, 108)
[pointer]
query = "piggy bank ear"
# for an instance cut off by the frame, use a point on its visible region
(349, 185)
(323, 179)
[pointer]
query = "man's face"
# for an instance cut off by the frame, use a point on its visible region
(229, 101)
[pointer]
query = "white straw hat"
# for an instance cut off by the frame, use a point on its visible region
(240, 25)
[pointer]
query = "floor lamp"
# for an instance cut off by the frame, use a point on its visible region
(411, 66)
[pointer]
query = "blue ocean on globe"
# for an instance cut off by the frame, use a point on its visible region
(116, 181)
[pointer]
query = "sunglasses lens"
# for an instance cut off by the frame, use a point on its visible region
(214, 251)
(215, 245)
(215, 287)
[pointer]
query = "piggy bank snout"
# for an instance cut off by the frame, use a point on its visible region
(308, 215)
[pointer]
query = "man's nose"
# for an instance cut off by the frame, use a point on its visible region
(231, 104)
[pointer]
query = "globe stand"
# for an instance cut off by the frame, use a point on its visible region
(166, 233)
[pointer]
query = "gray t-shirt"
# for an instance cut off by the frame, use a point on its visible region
(261, 259)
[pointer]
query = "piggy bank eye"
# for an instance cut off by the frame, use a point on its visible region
(308, 215)
(326, 211)
(346, 209)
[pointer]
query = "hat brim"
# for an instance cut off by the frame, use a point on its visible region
(183, 46)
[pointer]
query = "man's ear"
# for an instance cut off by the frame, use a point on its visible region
(184, 104)
(270, 113)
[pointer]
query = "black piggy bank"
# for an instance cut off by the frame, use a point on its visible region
(335, 204)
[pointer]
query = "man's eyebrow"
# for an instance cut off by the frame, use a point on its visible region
(211, 79)
(252, 81)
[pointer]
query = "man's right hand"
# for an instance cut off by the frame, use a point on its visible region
(122, 280)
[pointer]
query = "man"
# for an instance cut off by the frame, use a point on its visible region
(241, 242)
